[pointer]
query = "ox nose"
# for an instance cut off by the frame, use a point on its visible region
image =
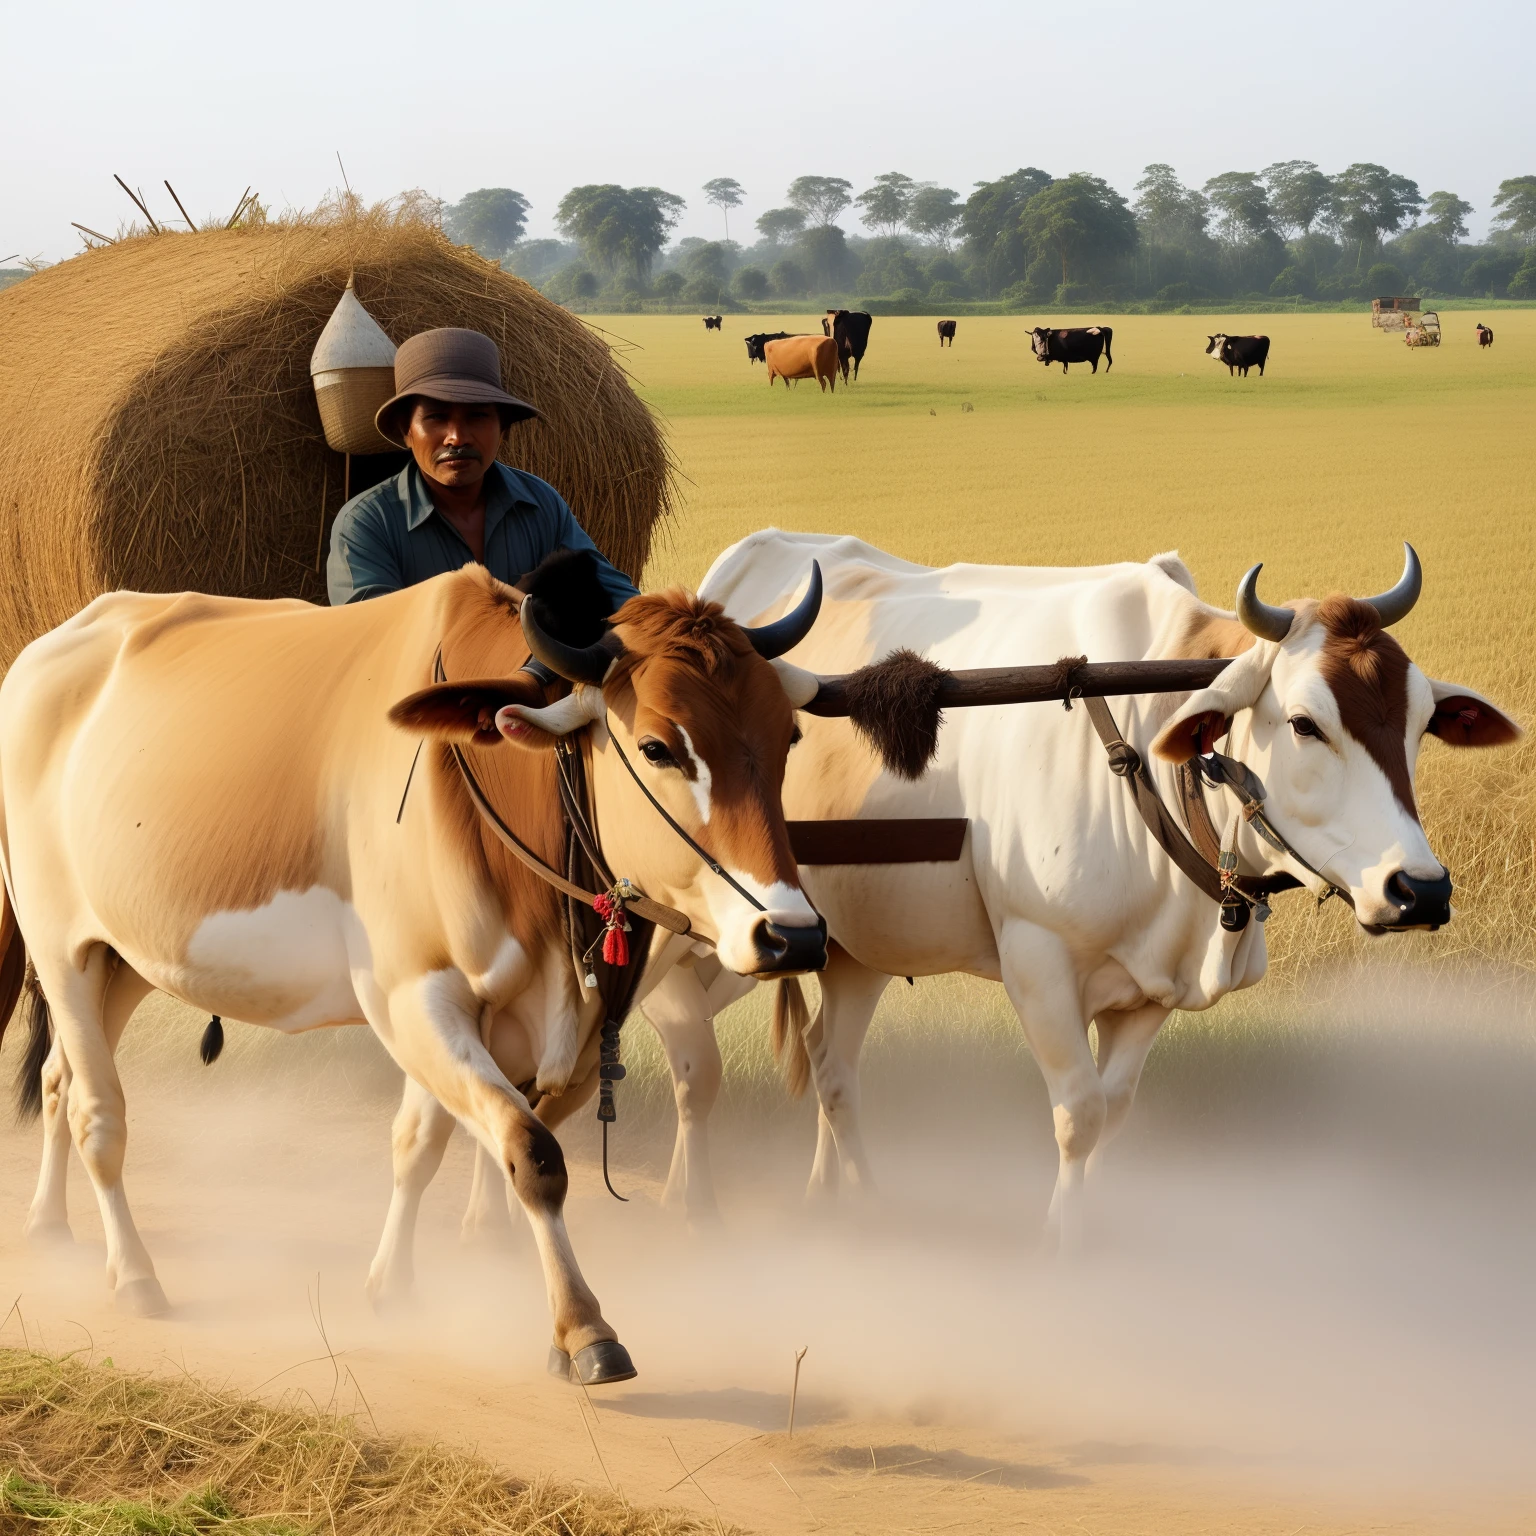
(1421, 903)
(786, 951)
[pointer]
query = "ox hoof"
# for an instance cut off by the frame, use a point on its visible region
(141, 1298)
(599, 1364)
(595, 1366)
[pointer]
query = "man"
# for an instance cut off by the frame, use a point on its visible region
(454, 503)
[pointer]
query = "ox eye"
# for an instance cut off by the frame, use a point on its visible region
(1303, 725)
(657, 752)
(796, 736)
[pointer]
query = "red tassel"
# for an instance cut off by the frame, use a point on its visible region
(616, 947)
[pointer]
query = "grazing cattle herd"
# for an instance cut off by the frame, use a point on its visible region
(849, 330)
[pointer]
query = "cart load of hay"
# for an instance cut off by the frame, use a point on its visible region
(162, 430)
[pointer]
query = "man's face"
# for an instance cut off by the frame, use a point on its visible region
(453, 444)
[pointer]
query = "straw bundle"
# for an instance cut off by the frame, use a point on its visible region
(162, 430)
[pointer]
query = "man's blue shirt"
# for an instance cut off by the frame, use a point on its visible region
(392, 536)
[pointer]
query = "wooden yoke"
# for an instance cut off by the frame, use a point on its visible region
(1042, 684)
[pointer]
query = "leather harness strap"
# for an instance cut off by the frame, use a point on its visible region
(1125, 761)
(642, 906)
(652, 911)
(1200, 855)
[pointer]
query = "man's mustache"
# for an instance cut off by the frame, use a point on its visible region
(446, 455)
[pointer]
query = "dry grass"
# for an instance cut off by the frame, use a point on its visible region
(91, 1449)
(165, 434)
(1350, 443)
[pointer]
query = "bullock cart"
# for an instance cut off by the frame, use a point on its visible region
(1423, 330)
(1393, 314)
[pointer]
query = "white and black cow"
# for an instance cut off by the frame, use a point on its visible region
(1239, 353)
(1081, 344)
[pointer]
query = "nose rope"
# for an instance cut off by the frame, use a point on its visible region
(682, 831)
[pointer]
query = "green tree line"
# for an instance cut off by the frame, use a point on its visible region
(1287, 231)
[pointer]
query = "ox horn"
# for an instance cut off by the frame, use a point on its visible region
(772, 640)
(575, 663)
(1266, 622)
(1395, 605)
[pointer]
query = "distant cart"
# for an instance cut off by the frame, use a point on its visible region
(1423, 331)
(1395, 314)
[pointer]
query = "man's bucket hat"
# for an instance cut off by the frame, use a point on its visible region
(452, 364)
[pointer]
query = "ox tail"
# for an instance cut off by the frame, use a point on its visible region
(29, 1080)
(790, 1018)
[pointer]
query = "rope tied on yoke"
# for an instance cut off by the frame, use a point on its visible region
(1061, 677)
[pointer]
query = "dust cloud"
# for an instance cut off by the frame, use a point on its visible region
(1311, 1264)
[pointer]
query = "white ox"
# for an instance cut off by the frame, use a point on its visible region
(1061, 892)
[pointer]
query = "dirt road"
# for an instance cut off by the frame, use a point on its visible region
(1321, 1341)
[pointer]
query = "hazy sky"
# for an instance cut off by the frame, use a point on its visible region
(543, 97)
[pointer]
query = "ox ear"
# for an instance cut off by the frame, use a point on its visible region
(1203, 717)
(463, 711)
(1466, 719)
(539, 728)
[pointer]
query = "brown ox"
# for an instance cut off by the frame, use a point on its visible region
(946, 332)
(1484, 335)
(802, 357)
(203, 795)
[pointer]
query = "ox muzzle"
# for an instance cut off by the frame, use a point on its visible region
(1422, 905)
(782, 950)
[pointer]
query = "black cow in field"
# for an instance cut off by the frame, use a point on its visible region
(1083, 344)
(946, 332)
(1239, 353)
(712, 322)
(849, 328)
(755, 344)
(1484, 335)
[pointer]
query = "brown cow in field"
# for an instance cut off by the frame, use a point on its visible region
(946, 332)
(802, 357)
(1484, 335)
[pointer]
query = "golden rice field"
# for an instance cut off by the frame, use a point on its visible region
(1351, 443)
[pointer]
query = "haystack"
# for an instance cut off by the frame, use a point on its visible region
(162, 432)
